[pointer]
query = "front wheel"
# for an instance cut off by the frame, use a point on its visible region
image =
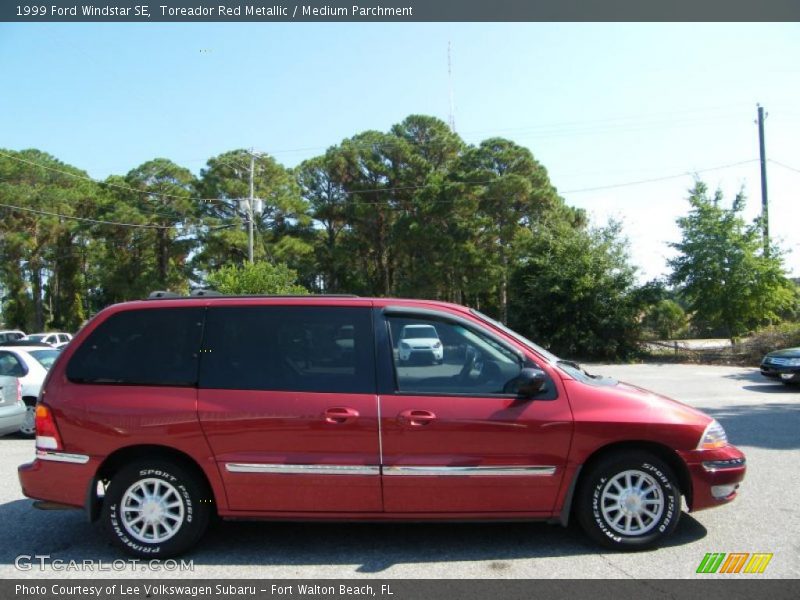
(629, 501)
(155, 509)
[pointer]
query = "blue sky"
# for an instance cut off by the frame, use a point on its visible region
(598, 104)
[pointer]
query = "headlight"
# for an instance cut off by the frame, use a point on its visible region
(792, 362)
(713, 437)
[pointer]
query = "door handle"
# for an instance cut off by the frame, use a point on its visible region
(340, 415)
(416, 418)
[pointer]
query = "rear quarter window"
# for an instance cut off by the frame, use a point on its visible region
(141, 347)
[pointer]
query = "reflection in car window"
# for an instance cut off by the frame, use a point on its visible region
(450, 359)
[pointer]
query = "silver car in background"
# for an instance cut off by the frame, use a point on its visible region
(30, 365)
(12, 408)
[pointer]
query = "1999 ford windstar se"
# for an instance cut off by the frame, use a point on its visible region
(164, 411)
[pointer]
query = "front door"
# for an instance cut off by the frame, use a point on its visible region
(456, 439)
(287, 402)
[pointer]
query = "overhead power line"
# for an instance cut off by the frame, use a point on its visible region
(105, 183)
(575, 191)
(780, 164)
(99, 221)
(656, 179)
(85, 219)
(417, 187)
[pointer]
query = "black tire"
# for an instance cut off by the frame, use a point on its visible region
(596, 504)
(188, 521)
(28, 428)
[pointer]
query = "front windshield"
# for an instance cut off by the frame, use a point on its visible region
(549, 356)
(573, 369)
(36, 337)
(45, 357)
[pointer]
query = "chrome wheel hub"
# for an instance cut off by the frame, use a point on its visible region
(152, 510)
(632, 502)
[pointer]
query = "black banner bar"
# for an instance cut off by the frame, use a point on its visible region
(143, 11)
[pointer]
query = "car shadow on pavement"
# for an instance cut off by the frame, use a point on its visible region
(763, 384)
(373, 547)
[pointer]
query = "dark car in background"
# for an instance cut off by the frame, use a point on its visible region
(783, 365)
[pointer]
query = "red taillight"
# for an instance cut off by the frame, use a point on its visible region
(19, 390)
(47, 437)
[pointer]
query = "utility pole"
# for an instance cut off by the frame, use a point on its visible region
(764, 202)
(250, 208)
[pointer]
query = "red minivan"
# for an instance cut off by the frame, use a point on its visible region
(164, 411)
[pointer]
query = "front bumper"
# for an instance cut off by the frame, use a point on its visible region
(716, 475)
(60, 478)
(422, 353)
(788, 374)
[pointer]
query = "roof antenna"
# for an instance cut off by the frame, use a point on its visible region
(452, 120)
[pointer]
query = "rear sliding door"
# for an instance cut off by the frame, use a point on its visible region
(288, 403)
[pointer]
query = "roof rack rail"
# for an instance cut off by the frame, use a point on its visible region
(162, 294)
(204, 292)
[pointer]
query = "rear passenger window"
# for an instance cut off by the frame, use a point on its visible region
(283, 348)
(11, 366)
(141, 347)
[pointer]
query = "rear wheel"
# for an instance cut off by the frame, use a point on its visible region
(28, 427)
(629, 501)
(156, 509)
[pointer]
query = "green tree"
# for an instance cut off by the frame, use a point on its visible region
(40, 270)
(280, 228)
(574, 293)
(666, 318)
(514, 198)
(257, 278)
(730, 285)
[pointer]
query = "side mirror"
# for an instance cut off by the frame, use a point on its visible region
(531, 382)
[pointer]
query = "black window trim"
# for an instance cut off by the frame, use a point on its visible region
(389, 386)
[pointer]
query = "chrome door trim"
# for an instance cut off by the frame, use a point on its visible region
(530, 470)
(283, 469)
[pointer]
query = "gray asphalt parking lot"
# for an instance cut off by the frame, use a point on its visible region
(760, 416)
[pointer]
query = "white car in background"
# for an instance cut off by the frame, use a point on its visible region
(55, 339)
(29, 364)
(420, 341)
(11, 335)
(12, 408)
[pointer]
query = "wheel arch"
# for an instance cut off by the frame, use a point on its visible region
(665, 453)
(124, 456)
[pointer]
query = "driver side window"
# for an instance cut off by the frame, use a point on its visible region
(437, 357)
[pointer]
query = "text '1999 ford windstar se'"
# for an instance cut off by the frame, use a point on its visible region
(164, 411)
